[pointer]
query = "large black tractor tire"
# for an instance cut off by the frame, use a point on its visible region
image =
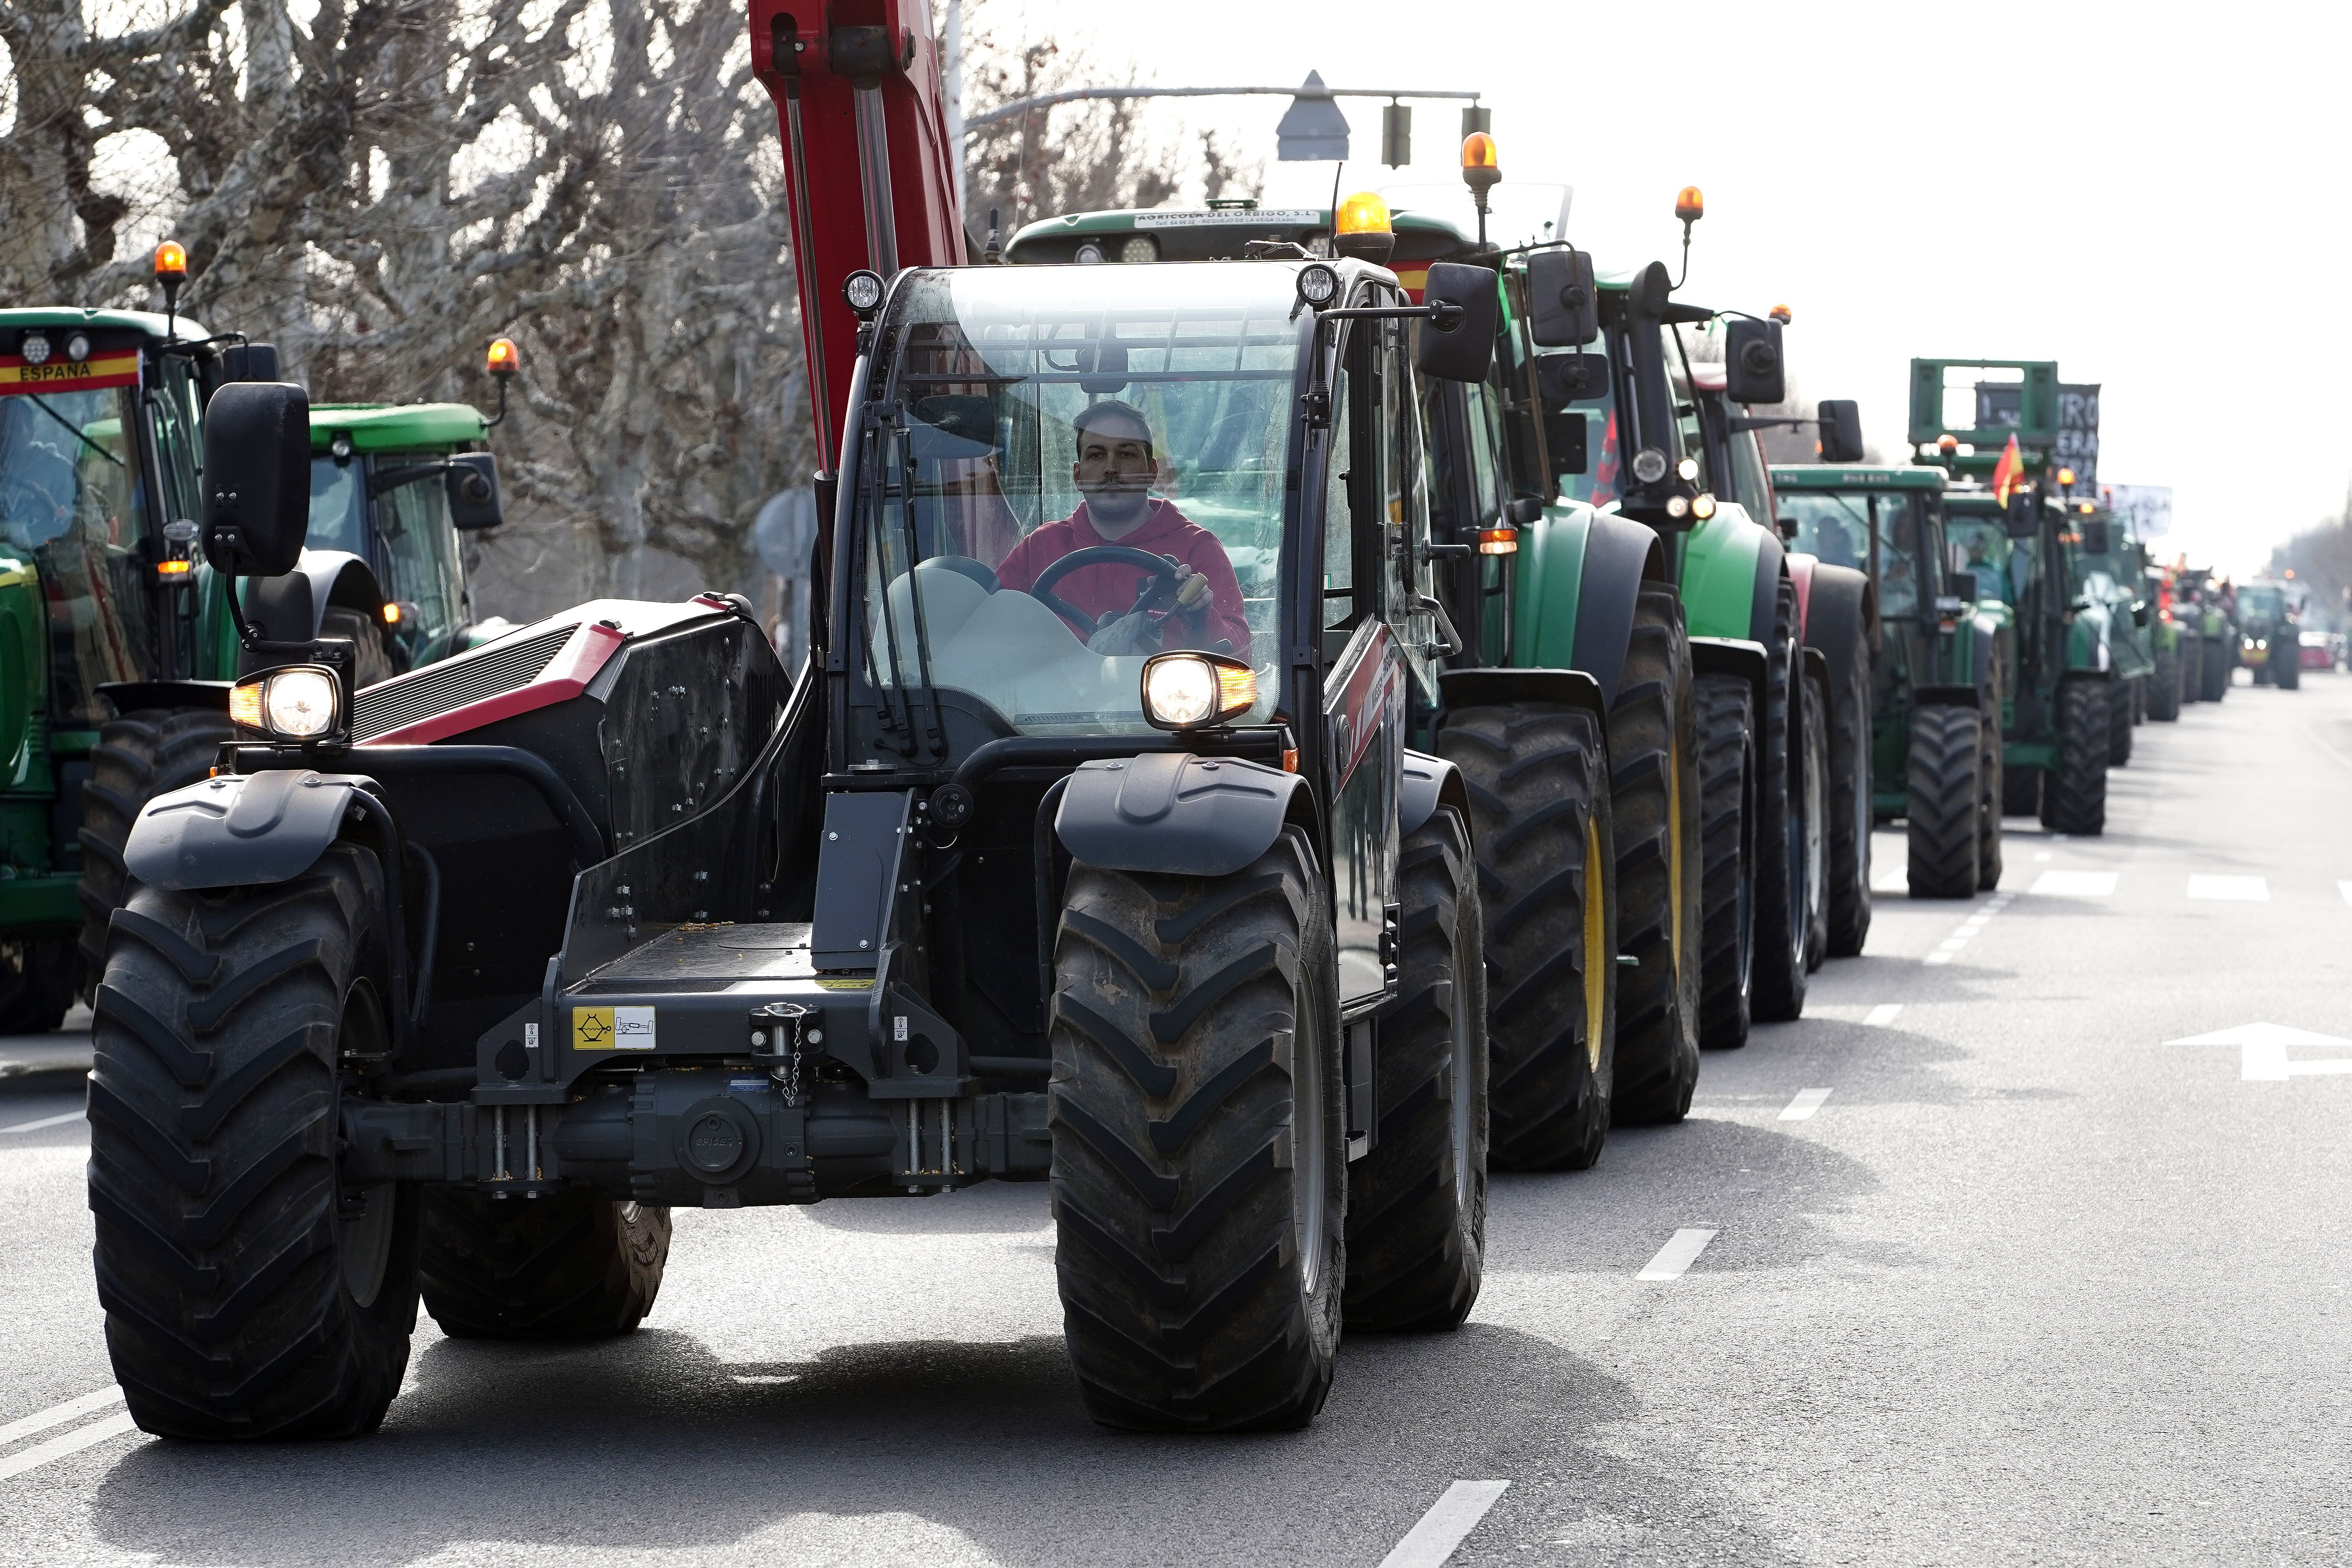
(2119, 722)
(2220, 663)
(1653, 803)
(562, 1265)
(2286, 666)
(248, 1292)
(1536, 774)
(146, 753)
(1947, 792)
(2075, 795)
(1992, 785)
(2192, 670)
(1778, 978)
(2164, 687)
(1200, 1144)
(1417, 1203)
(1816, 802)
(1850, 815)
(1728, 765)
(370, 659)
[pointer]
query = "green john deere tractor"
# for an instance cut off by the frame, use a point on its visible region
(2270, 634)
(2106, 569)
(1566, 701)
(115, 648)
(1938, 679)
(2057, 728)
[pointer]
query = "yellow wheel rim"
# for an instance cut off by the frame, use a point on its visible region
(1597, 958)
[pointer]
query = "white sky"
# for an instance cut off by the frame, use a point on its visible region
(2102, 185)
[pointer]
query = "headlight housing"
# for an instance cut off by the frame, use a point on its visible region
(1196, 690)
(298, 703)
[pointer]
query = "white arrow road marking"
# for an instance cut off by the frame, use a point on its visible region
(2344, 889)
(2236, 889)
(45, 1121)
(2264, 1048)
(1883, 1014)
(1807, 1101)
(73, 1442)
(2075, 884)
(1431, 1543)
(1678, 1253)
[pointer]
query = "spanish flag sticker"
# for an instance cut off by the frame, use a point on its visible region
(57, 374)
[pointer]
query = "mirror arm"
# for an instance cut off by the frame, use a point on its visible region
(391, 479)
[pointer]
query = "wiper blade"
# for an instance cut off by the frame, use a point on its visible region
(69, 424)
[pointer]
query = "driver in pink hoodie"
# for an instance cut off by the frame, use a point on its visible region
(1115, 472)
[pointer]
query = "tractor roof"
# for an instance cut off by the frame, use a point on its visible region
(396, 426)
(150, 322)
(1854, 477)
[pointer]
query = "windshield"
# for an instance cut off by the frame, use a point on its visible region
(2264, 603)
(1088, 467)
(1836, 528)
(1981, 545)
(71, 497)
(336, 519)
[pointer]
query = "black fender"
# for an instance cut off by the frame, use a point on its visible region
(239, 830)
(1764, 606)
(291, 608)
(1620, 556)
(1501, 687)
(1817, 667)
(1736, 656)
(1946, 697)
(1841, 621)
(1173, 814)
(1430, 783)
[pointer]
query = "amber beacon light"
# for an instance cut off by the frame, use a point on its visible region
(1361, 228)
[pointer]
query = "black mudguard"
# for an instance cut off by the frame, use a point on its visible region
(1735, 656)
(1429, 782)
(1503, 687)
(1764, 606)
(1842, 621)
(1173, 814)
(133, 696)
(239, 830)
(291, 608)
(1620, 556)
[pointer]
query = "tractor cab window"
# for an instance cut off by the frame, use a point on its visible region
(1068, 470)
(1980, 545)
(74, 507)
(1339, 540)
(1832, 525)
(419, 566)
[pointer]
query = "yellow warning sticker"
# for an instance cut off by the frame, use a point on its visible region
(591, 1028)
(845, 983)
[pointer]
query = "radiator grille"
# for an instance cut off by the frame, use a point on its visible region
(391, 705)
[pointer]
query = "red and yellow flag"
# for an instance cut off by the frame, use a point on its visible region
(2009, 474)
(120, 368)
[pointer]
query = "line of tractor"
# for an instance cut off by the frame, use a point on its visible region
(1305, 707)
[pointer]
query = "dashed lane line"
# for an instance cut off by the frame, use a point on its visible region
(59, 1415)
(1884, 1013)
(1807, 1101)
(72, 1442)
(1968, 928)
(2232, 889)
(45, 1121)
(1431, 1543)
(1678, 1253)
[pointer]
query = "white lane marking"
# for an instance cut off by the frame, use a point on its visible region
(2238, 889)
(1883, 1014)
(1430, 1542)
(73, 1442)
(2075, 884)
(2262, 1051)
(2040, 856)
(1938, 958)
(59, 1415)
(2344, 889)
(45, 1121)
(1807, 1101)
(1678, 1253)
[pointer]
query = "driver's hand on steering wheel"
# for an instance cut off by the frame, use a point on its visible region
(1192, 589)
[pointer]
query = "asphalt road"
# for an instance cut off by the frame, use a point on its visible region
(2029, 1284)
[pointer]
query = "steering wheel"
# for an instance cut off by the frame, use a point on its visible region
(1162, 586)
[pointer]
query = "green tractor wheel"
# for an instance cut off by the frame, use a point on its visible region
(2286, 665)
(2074, 795)
(139, 756)
(2164, 687)
(2119, 722)
(1653, 794)
(1944, 813)
(1727, 768)
(2192, 668)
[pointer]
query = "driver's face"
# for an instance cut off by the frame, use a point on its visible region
(1115, 473)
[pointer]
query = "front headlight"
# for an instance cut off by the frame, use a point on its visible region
(300, 702)
(1194, 690)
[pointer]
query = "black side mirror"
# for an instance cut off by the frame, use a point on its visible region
(1840, 425)
(1961, 586)
(1753, 368)
(2023, 516)
(1562, 379)
(2094, 536)
(473, 481)
(250, 362)
(1458, 344)
(256, 491)
(2139, 614)
(1568, 440)
(1651, 292)
(1563, 310)
(1788, 526)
